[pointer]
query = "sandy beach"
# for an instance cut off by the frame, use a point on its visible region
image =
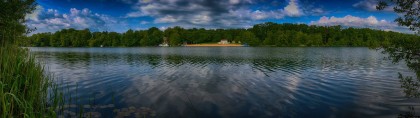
(213, 45)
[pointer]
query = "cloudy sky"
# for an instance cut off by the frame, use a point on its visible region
(121, 15)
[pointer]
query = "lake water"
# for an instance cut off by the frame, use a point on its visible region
(228, 81)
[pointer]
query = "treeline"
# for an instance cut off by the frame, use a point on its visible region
(266, 34)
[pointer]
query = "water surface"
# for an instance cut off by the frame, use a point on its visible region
(229, 81)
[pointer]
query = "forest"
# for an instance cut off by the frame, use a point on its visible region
(265, 34)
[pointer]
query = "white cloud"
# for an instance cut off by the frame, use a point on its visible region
(216, 13)
(201, 19)
(135, 14)
(163, 28)
(369, 5)
(56, 21)
(210, 14)
(352, 21)
(35, 14)
(185, 13)
(167, 19)
(317, 11)
(74, 12)
(358, 22)
(144, 22)
(258, 15)
(145, 1)
(292, 9)
(234, 1)
(51, 20)
(86, 11)
(53, 11)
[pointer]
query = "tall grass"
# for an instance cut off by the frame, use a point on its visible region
(24, 86)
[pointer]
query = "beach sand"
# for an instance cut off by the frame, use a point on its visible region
(213, 45)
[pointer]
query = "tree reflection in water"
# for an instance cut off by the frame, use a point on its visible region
(409, 51)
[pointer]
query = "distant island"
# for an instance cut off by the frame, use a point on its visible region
(265, 34)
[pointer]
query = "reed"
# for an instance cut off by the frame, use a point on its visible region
(24, 87)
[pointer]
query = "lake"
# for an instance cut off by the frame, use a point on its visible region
(228, 81)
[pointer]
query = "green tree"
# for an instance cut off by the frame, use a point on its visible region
(274, 35)
(269, 40)
(54, 40)
(106, 40)
(316, 39)
(155, 36)
(129, 38)
(405, 47)
(12, 17)
(410, 10)
(115, 38)
(174, 39)
(249, 38)
(145, 41)
(23, 85)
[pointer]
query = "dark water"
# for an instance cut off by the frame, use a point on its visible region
(228, 81)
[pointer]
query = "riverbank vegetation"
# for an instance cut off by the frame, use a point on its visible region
(266, 34)
(405, 49)
(23, 85)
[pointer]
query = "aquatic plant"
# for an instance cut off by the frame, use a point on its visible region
(24, 86)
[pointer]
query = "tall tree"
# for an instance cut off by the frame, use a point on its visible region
(155, 36)
(410, 10)
(116, 39)
(12, 17)
(129, 38)
(145, 40)
(249, 38)
(408, 48)
(277, 35)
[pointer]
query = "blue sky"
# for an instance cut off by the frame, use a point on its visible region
(121, 15)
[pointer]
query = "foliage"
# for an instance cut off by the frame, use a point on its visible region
(12, 15)
(249, 38)
(407, 48)
(23, 85)
(410, 10)
(268, 34)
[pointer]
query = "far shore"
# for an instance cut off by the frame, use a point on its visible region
(214, 45)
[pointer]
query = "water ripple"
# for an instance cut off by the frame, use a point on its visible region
(230, 82)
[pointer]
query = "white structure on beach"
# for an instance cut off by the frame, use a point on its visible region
(224, 41)
(165, 42)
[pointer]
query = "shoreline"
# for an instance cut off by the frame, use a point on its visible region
(214, 45)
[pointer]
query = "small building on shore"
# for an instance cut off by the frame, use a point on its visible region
(165, 42)
(224, 41)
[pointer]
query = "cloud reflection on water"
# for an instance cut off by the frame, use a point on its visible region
(233, 82)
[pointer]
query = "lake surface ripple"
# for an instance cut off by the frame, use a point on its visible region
(228, 81)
